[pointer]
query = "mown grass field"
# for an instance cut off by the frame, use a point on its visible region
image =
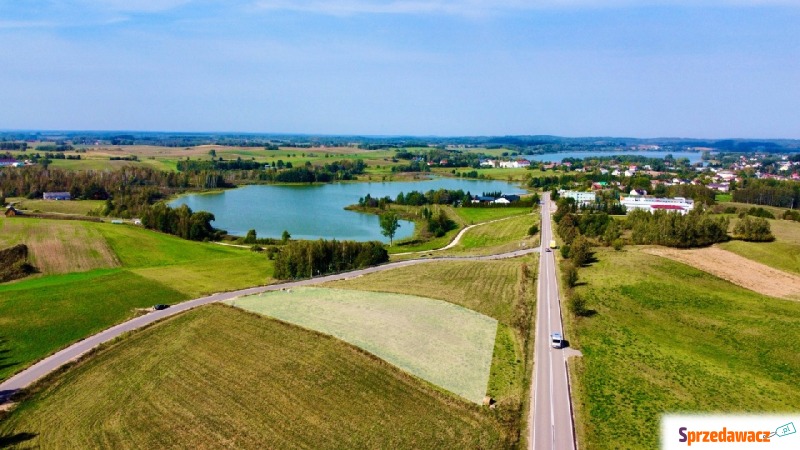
(442, 343)
(502, 236)
(44, 313)
(79, 207)
(668, 338)
(782, 254)
(264, 384)
(492, 288)
(59, 246)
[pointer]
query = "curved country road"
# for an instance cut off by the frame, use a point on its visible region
(49, 364)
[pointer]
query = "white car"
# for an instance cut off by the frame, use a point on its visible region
(556, 340)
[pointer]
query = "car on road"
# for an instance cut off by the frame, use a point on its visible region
(160, 306)
(547, 249)
(556, 340)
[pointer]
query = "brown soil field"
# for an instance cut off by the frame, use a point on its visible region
(736, 269)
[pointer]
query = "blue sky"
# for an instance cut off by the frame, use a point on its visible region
(648, 68)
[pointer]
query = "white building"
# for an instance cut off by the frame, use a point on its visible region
(581, 198)
(650, 204)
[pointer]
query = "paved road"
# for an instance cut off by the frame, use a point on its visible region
(551, 425)
(28, 376)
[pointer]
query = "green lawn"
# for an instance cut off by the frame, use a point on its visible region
(669, 338)
(218, 377)
(442, 343)
(42, 314)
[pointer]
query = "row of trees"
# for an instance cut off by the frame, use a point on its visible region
(300, 259)
(784, 194)
(695, 229)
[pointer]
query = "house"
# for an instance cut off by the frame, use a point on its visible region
(501, 201)
(511, 197)
(482, 199)
(11, 212)
(57, 196)
(721, 187)
(487, 163)
(523, 163)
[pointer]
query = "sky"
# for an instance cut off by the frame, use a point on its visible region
(647, 68)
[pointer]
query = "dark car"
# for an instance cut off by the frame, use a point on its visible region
(547, 249)
(160, 306)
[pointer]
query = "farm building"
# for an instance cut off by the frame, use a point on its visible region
(57, 196)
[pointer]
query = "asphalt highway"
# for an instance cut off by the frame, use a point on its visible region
(551, 425)
(49, 364)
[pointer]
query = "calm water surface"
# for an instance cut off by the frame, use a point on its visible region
(317, 211)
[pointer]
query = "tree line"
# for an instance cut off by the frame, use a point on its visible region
(301, 259)
(694, 229)
(784, 194)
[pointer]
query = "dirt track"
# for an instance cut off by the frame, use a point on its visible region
(736, 269)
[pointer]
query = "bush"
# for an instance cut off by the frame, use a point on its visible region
(577, 305)
(753, 230)
(565, 251)
(570, 275)
(617, 244)
(533, 230)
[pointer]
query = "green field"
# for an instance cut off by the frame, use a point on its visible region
(59, 246)
(472, 216)
(264, 384)
(783, 253)
(494, 288)
(442, 343)
(42, 314)
(497, 237)
(79, 207)
(668, 338)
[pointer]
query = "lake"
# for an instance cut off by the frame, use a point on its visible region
(317, 211)
(693, 157)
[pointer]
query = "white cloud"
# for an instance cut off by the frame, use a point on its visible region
(134, 6)
(484, 7)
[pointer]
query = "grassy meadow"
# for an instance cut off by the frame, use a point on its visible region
(668, 338)
(131, 268)
(75, 207)
(442, 343)
(264, 384)
(494, 288)
(502, 236)
(783, 253)
(59, 246)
